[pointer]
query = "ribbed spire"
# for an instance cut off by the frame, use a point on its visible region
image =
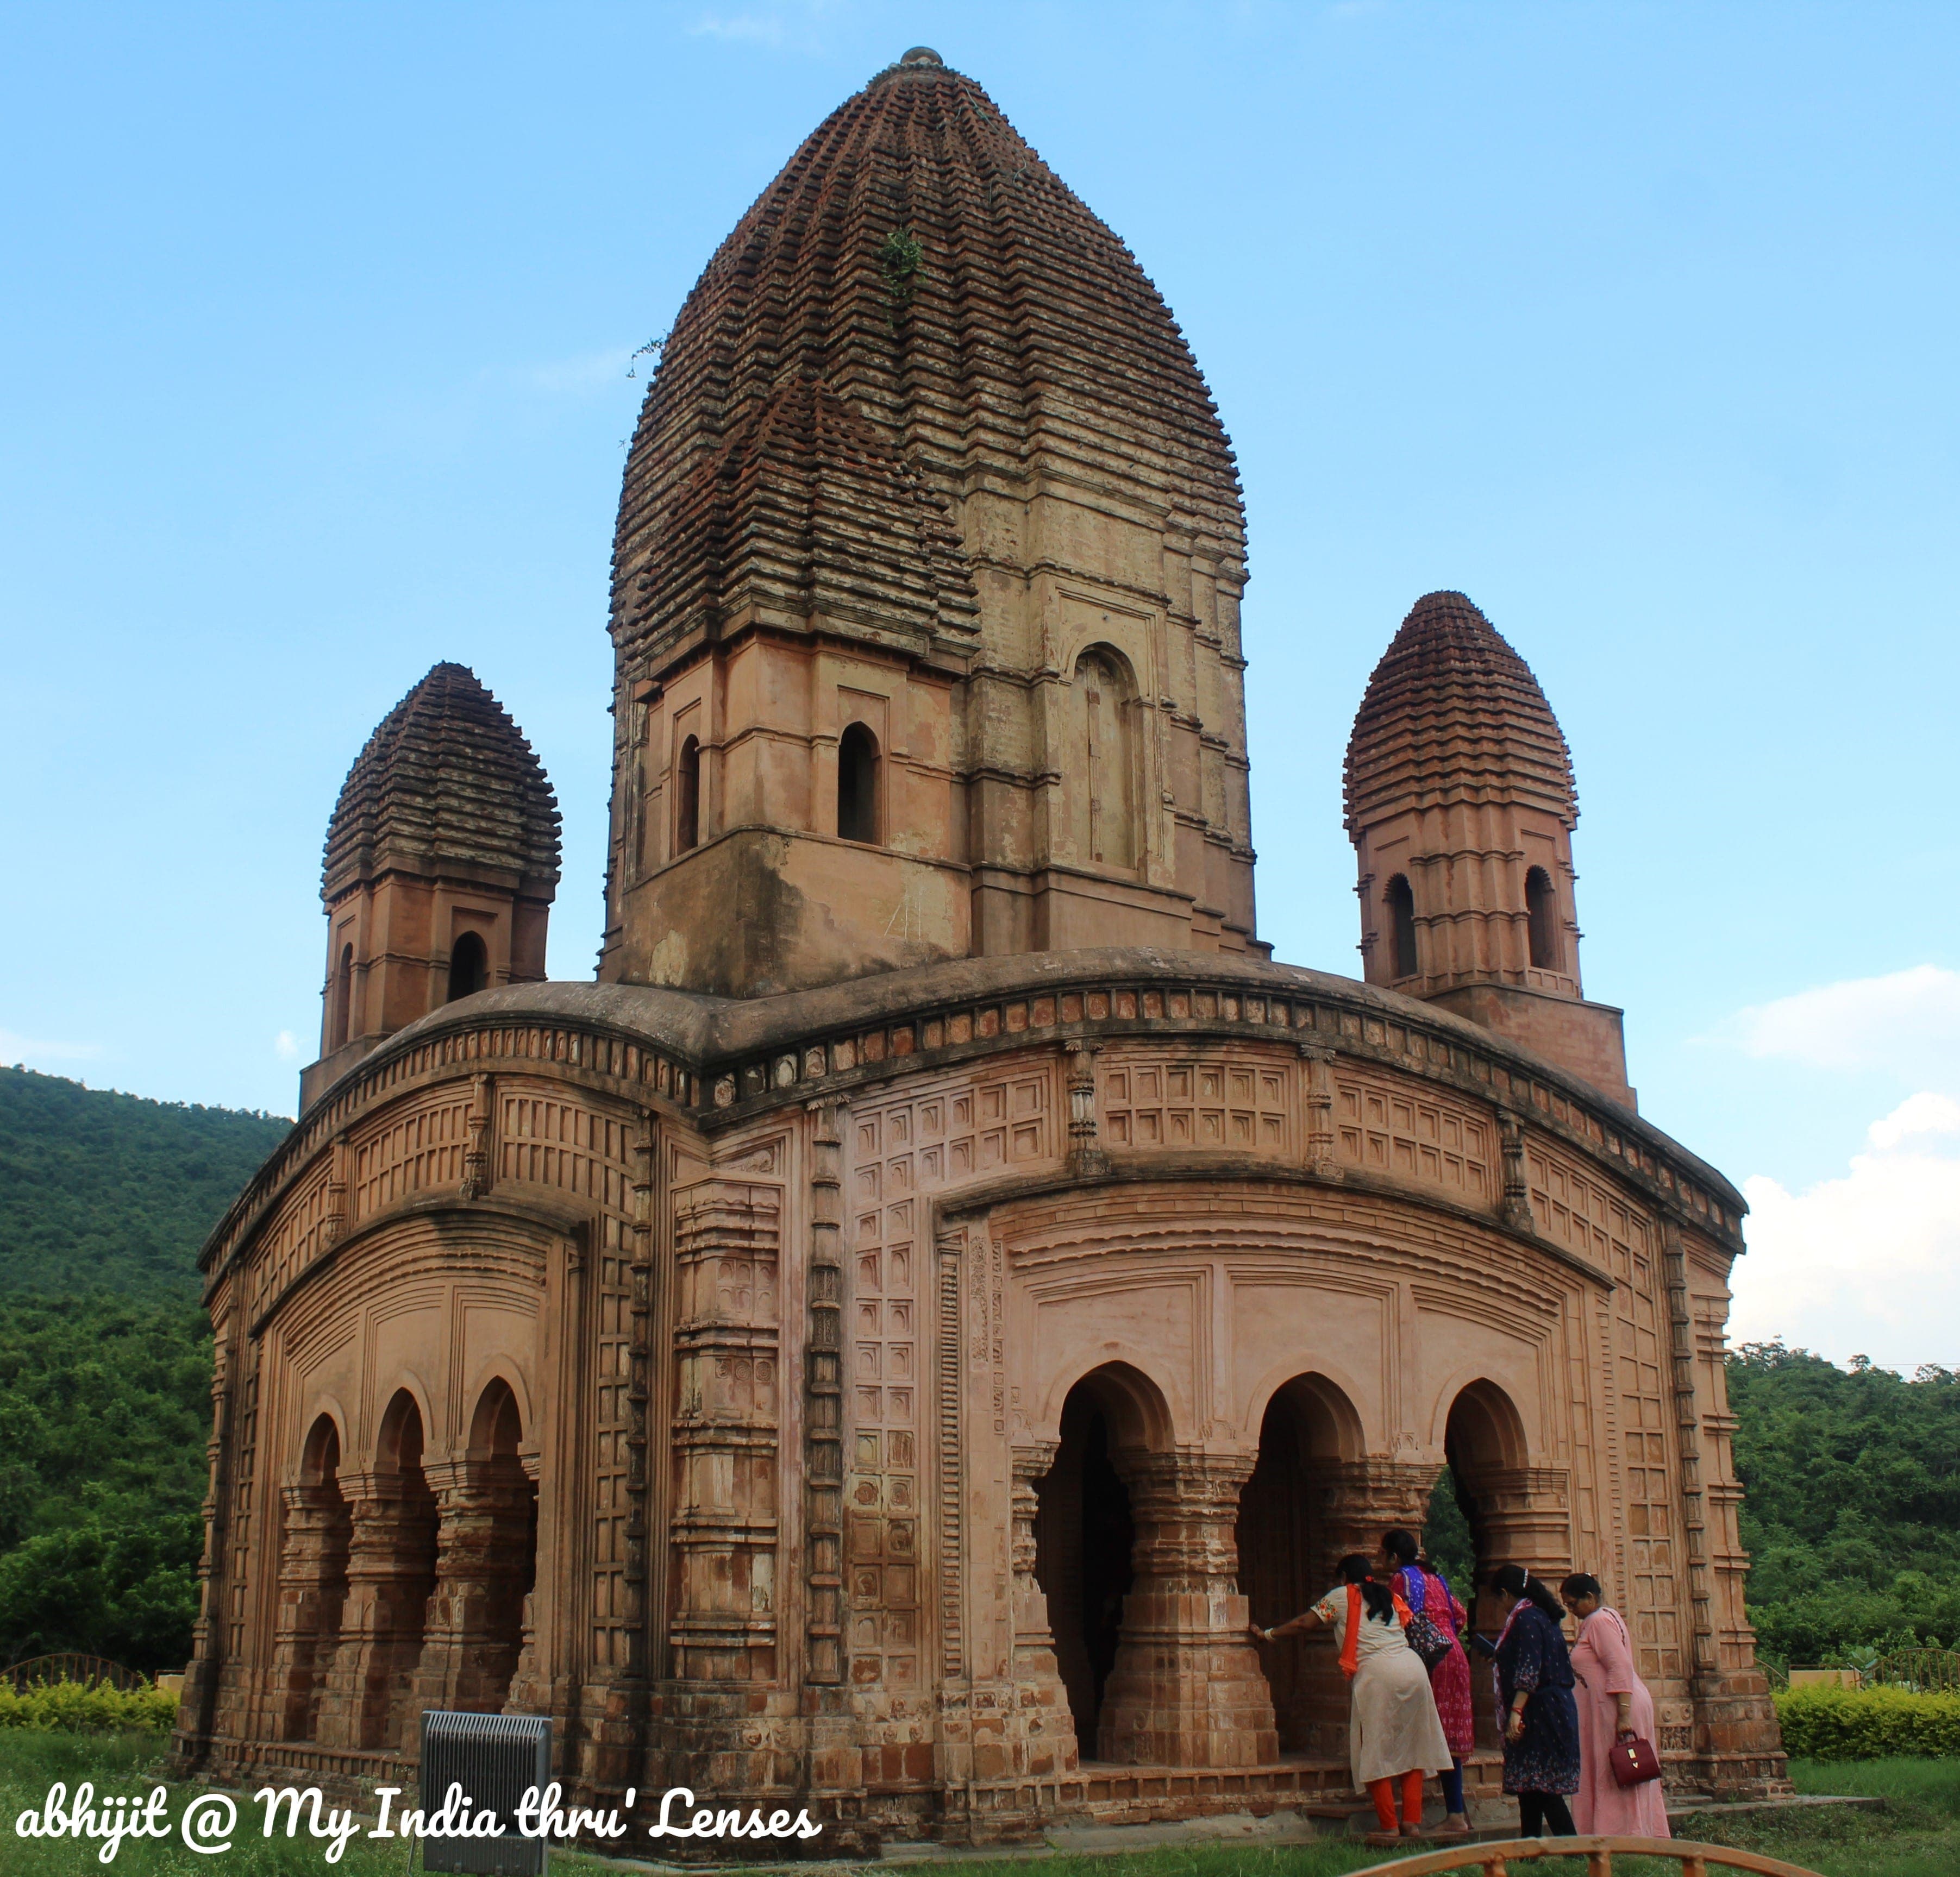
(1452, 713)
(956, 309)
(446, 777)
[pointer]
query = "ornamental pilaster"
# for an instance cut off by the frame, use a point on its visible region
(313, 1587)
(1187, 1688)
(483, 1570)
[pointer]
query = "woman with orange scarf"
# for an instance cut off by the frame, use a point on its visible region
(1393, 1737)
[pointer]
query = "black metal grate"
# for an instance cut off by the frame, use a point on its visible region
(496, 1759)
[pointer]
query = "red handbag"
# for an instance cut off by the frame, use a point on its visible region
(1633, 1760)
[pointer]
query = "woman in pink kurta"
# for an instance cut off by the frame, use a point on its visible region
(1613, 1701)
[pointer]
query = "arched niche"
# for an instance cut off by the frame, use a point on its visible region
(687, 796)
(1101, 763)
(1399, 903)
(469, 965)
(341, 1014)
(1541, 920)
(860, 807)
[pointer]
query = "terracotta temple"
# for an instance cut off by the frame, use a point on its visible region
(875, 1348)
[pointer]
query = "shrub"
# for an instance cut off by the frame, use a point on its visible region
(75, 1707)
(1823, 1723)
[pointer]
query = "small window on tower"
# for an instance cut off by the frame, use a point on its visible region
(1402, 928)
(1542, 906)
(687, 796)
(343, 999)
(469, 966)
(857, 784)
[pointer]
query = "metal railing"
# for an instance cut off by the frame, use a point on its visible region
(85, 1671)
(1930, 1671)
(1495, 1859)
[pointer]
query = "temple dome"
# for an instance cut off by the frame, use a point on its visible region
(917, 275)
(1453, 714)
(447, 779)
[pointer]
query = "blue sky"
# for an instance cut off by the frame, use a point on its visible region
(1635, 323)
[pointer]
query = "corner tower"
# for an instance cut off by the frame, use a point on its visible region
(925, 602)
(1460, 805)
(442, 861)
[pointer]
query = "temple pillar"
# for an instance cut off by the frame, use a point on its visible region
(1187, 1689)
(531, 1688)
(1037, 1739)
(1361, 1499)
(390, 1570)
(313, 1590)
(473, 1634)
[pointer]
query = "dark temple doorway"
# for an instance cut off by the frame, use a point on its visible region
(1083, 1541)
(1286, 1558)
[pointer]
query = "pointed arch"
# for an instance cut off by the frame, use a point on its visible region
(497, 1426)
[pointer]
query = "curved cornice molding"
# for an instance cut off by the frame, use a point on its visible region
(718, 1062)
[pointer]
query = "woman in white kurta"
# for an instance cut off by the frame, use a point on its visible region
(1394, 1735)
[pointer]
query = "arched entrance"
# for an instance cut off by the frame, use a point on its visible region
(313, 1581)
(1517, 1514)
(390, 1573)
(1085, 1536)
(1135, 1558)
(485, 1564)
(1288, 1547)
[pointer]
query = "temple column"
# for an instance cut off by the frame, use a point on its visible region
(390, 1567)
(1187, 1688)
(530, 1689)
(1361, 1499)
(1036, 1740)
(313, 1588)
(474, 1629)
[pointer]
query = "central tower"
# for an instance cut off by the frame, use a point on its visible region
(926, 583)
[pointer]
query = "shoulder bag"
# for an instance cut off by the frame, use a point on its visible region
(1428, 1638)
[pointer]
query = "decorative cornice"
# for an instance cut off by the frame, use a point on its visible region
(718, 1062)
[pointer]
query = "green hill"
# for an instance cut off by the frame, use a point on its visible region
(1852, 1516)
(100, 1191)
(105, 1361)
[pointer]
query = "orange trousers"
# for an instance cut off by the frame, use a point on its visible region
(1383, 1792)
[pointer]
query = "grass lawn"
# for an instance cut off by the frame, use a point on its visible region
(1917, 1835)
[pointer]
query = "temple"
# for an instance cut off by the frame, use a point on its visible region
(877, 1347)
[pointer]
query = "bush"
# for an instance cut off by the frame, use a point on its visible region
(1823, 1723)
(75, 1707)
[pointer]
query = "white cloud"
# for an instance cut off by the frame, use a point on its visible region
(1908, 1022)
(286, 1046)
(22, 1049)
(1868, 1264)
(744, 26)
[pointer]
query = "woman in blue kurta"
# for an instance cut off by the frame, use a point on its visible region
(1540, 1717)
